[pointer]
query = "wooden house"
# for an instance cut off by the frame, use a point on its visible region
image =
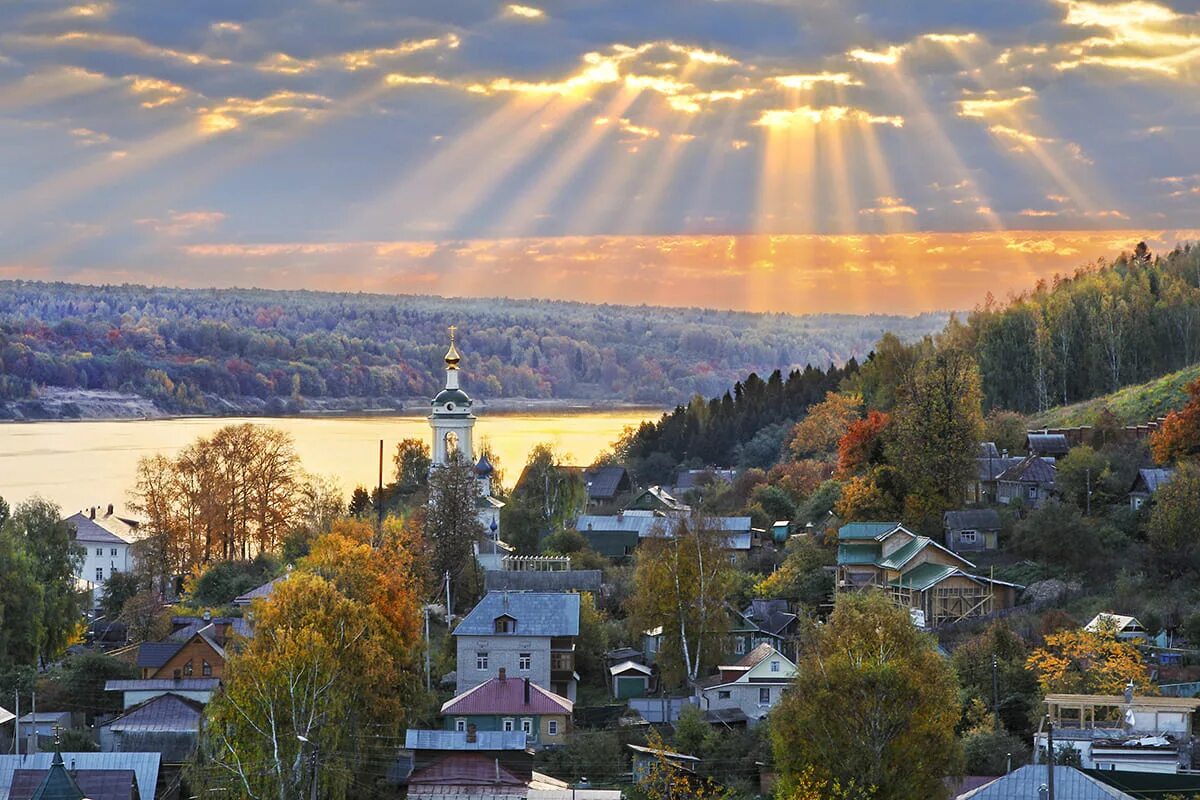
(970, 529)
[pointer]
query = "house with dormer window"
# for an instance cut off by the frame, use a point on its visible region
(525, 634)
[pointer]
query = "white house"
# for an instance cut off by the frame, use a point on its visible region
(1139, 734)
(107, 541)
(1127, 628)
(748, 690)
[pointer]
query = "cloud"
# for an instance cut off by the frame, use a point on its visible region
(990, 102)
(234, 111)
(183, 223)
(356, 60)
(115, 43)
(155, 92)
(888, 56)
(811, 80)
(888, 206)
(808, 115)
(523, 12)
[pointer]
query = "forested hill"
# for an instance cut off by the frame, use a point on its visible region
(1091, 333)
(246, 349)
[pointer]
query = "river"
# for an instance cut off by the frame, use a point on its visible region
(81, 464)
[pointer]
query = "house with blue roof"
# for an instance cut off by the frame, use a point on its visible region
(525, 634)
(934, 583)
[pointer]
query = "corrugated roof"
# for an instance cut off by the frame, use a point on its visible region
(44, 716)
(457, 740)
(641, 524)
(628, 666)
(865, 531)
(536, 614)
(167, 713)
(507, 696)
(258, 592)
(115, 784)
(144, 765)
(905, 553)
(1152, 479)
(851, 554)
(922, 576)
(1025, 782)
(1052, 444)
(465, 770)
(988, 450)
(978, 519)
(987, 469)
(565, 580)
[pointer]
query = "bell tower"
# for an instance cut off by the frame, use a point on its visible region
(450, 416)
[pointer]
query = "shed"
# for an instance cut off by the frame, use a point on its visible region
(970, 530)
(1146, 484)
(630, 679)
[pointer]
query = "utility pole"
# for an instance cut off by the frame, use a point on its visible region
(33, 716)
(379, 510)
(1088, 502)
(995, 696)
(449, 608)
(1050, 757)
(17, 723)
(428, 679)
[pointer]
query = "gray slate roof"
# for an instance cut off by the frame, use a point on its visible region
(258, 593)
(605, 482)
(1023, 783)
(771, 616)
(1033, 469)
(1050, 444)
(1151, 480)
(987, 469)
(572, 580)
(457, 740)
(629, 522)
(152, 655)
(163, 685)
(93, 784)
(973, 519)
(988, 450)
(144, 765)
(167, 713)
(536, 614)
(86, 530)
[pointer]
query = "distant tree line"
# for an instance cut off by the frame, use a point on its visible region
(186, 349)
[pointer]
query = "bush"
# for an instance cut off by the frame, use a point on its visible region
(987, 752)
(222, 582)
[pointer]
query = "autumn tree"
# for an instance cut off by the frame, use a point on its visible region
(1080, 475)
(1179, 435)
(452, 525)
(874, 706)
(1005, 429)
(547, 498)
(817, 435)
(318, 693)
(863, 444)
(938, 425)
(1077, 661)
(682, 579)
(1016, 686)
(1171, 530)
(21, 601)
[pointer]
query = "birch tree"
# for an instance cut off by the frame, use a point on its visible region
(683, 577)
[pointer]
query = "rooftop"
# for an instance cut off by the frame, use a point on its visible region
(507, 696)
(1024, 782)
(866, 531)
(166, 713)
(457, 740)
(145, 767)
(1140, 701)
(535, 613)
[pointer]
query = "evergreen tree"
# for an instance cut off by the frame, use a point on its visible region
(452, 524)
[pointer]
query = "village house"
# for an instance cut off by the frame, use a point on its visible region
(743, 693)
(607, 486)
(168, 724)
(527, 634)
(971, 530)
(693, 484)
(139, 690)
(1029, 482)
(1134, 733)
(646, 760)
(982, 489)
(920, 575)
(617, 536)
(1146, 484)
(511, 704)
(1127, 629)
(107, 541)
(762, 622)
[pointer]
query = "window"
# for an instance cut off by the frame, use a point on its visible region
(764, 696)
(527, 725)
(99, 574)
(114, 552)
(1032, 492)
(506, 624)
(774, 666)
(968, 537)
(99, 551)
(481, 661)
(552, 727)
(508, 725)
(739, 646)
(723, 694)
(524, 661)
(187, 670)
(205, 669)
(460, 724)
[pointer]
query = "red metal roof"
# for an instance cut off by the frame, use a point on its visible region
(507, 697)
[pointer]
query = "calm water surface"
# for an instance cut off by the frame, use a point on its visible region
(80, 464)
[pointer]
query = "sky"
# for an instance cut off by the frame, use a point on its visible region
(890, 156)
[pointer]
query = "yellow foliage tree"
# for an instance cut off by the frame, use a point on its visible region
(817, 435)
(1088, 662)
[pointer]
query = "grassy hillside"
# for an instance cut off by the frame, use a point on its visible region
(1131, 405)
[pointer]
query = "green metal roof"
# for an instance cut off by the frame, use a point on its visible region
(865, 530)
(866, 553)
(923, 576)
(905, 554)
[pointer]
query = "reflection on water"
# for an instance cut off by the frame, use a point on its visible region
(79, 464)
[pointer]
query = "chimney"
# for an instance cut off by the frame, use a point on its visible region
(503, 675)
(110, 510)
(471, 737)
(207, 616)
(527, 691)
(92, 512)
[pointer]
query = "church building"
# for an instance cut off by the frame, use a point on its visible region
(453, 426)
